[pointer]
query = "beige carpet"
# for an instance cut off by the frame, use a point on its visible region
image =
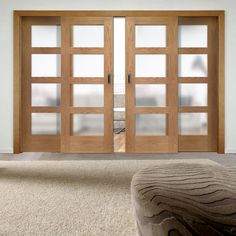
(69, 197)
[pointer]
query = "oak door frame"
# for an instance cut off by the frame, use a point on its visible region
(18, 15)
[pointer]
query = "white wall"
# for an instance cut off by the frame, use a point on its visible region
(6, 49)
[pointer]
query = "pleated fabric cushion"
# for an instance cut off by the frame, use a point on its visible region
(185, 199)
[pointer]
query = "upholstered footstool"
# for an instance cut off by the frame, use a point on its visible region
(185, 199)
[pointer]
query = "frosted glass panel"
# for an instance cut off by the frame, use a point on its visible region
(193, 123)
(88, 65)
(193, 36)
(150, 65)
(45, 123)
(151, 124)
(46, 36)
(193, 94)
(88, 36)
(46, 65)
(88, 95)
(193, 65)
(46, 94)
(150, 36)
(88, 124)
(150, 95)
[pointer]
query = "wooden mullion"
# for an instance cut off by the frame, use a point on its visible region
(194, 109)
(41, 109)
(86, 110)
(151, 50)
(193, 50)
(195, 80)
(150, 110)
(86, 50)
(86, 80)
(45, 50)
(151, 80)
(45, 80)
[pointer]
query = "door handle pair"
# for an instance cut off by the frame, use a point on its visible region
(109, 78)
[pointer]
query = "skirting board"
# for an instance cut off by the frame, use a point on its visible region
(230, 150)
(6, 150)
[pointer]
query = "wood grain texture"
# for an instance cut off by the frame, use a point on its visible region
(36, 143)
(185, 199)
(71, 143)
(210, 144)
(147, 13)
(142, 143)
(17, 86)
(221, 84)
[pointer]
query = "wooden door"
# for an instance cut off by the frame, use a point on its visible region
(87, 90)
(151, 86)
(67, 96)
(197, 82)
(41, 82)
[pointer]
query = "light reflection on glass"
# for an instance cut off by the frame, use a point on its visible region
(150, 95)
(193, 123)
(88, 124)
(193, 65)
(151, 124)
(45, 123)
(193, 94)
(46, 94)
(88, 95)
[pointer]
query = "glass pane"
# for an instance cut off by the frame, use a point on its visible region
(193, 36)
(150, 95)
(46, 94)
(150, 65)
(150, 36)
(46, 36)
(193, 94)
(151, 124)
(88, 124)
(88, 36)
(193, 65)
(193, 123)
(88, 66)
(46, 65)
(88, 95)
(45, 123)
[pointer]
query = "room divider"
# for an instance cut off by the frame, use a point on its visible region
(172, 82)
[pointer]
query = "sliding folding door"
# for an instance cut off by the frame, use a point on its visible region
(197, 83)
(41, 84)
(171, 88)
(87, 91)
(151, 87)
(67, 84)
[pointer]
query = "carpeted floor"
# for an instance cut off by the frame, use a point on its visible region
(70, 197)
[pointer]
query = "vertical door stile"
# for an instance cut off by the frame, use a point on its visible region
(65, 90)
(172, 86)
(108, 84)
(87, 95)
(151, 115)
(129, 87)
